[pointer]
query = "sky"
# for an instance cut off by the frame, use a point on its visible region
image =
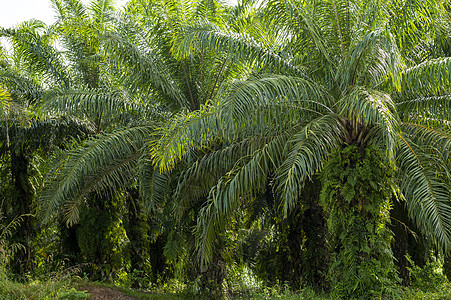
(17, 11)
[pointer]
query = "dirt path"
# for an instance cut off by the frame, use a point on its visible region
(105, 293)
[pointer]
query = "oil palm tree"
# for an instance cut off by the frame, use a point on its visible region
(151, 84)
(25, 133)
(74, 89)
(339, 95)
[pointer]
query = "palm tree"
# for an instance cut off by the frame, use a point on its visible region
(74, 88)
(148, 83)
(338, 95)
(26, 133)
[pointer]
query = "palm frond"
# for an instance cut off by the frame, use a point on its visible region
(142, 69)
(435, 140)
(373, 59)
(38, 52)
(426, 190)
(371, 107)
(184, 133)
(103, 164)
(432, 77)
(153, 184)
(198, 180)
(239, 47)
(307, 152)
(100, 106)
(279, 97)
(242, 182)
(20, 86)
(423, 109)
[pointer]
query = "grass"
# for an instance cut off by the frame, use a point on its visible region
(72, 288)
(37, 290)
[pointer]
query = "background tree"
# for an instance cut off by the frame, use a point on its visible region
(25, 134)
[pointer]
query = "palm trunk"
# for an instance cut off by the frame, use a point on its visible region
(316, 257)
(21, 206)
(136, 229)
(407, 241)
(356, 195)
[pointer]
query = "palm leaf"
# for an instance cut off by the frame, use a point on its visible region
(426, 189)
(307, 152)
(102, 164)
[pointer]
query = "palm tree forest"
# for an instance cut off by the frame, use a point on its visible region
(202, 149)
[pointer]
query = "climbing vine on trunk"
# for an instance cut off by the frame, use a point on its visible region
(356, 193)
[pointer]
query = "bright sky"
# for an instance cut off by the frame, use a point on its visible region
(17, 11)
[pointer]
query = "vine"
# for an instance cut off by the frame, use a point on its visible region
(356, 193)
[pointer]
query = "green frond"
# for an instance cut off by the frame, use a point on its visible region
(69, 8)
(44, 134)
(423, 109)
(153, 184)
(373, 108)
(412, 21)
(211, 10)
(307, 152)
(373, 59)
(143, 69)
(100, 106)
(5, 103)
(20, 86)
(246, 179)
(301, 22)
(279, 97)
(436, 141)
(197, 180)
(38, 53)
(102, 164)
(239, 47)
(432, 77)
(184, 133)
(102, 10)
(426, 189)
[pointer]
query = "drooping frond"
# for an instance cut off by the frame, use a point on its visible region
(425, 185)
(412, 21)
(143, 69)
(246, 179)
(198, 179)
(69, 9)
(239, 47)
(153, 184)
(5, 102)
(38, 53)
(307, 152)
(373, 108)
(260, 101)
(426, 109)
(184, 133)
(102, 11)
(434, 140)
(211, 10)
(102, 164)
(100, 106)
(300, 20)
(276, 96)
(20, 86)
(373, 59)
(26, 132)
(432, 77)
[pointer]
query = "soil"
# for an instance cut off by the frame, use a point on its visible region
(105, 293)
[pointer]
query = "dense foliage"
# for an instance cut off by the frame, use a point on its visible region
(206, 148)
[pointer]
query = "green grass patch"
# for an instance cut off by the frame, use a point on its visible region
(39, 290)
